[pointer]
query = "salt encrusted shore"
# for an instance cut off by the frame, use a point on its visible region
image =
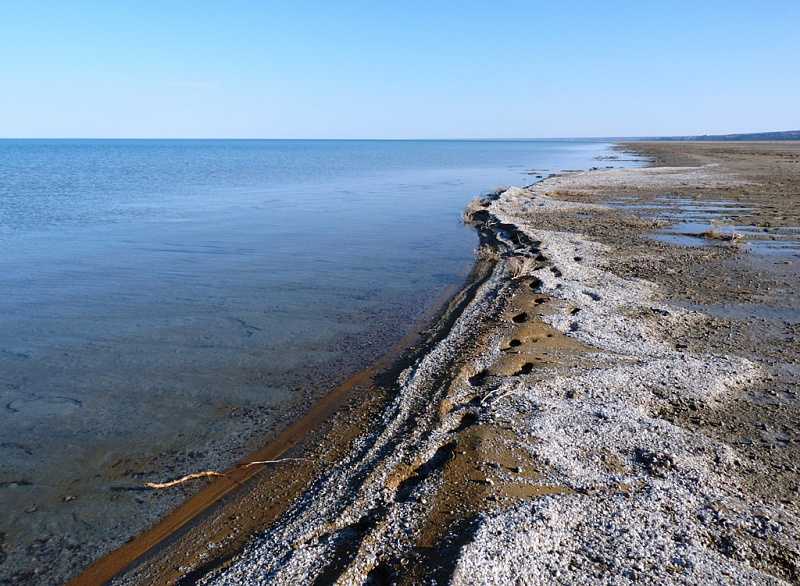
(652, 501)
(528, 446)
(595, 406)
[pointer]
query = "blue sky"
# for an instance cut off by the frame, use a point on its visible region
(397, 69)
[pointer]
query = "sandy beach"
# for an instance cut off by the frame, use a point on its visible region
(612, 397)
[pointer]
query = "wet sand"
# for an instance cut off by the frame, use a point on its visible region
(597, 403)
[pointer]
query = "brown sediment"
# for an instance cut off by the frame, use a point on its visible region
(483, 472)
(121, 559)
(535, 343)
(247, 499)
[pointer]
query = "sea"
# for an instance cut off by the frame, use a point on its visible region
(165, 305)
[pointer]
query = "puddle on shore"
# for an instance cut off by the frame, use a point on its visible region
(713, 222)
(744, 311)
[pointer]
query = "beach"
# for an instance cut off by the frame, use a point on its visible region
(611, 397)
(335, 293)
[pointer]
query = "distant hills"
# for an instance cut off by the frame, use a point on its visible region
(782, 135)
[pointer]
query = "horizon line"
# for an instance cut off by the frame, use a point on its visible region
(485, 138)
(408, 139)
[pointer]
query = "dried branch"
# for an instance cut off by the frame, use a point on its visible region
(262, 462)
(489, 394)
(510, 393)
(214, 473)
(182, 479)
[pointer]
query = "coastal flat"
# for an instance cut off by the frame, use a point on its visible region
(614, 396)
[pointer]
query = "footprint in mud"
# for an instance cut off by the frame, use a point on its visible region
(468, 420)
(407, 486)
(526, 368)
(520, 318)
(478, 378)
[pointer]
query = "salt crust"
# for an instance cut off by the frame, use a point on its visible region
(594, 430)
(623, 523)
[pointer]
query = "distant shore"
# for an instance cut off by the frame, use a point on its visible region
(596, 402)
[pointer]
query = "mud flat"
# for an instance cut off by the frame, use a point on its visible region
(612, 398)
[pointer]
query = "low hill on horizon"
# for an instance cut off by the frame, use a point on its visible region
(780, 135)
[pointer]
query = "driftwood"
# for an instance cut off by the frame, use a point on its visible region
(262, 462)
(501, 396)
(182, 479)
(213, 473)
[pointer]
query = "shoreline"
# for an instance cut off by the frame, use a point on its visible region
(295, 437)
(447, 316)
(572, 380)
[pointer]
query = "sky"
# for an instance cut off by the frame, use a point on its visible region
(399, 69)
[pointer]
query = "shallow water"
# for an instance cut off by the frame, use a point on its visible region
(690, 219)
(167, 303)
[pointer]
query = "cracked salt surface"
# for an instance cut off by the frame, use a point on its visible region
(626, 520)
